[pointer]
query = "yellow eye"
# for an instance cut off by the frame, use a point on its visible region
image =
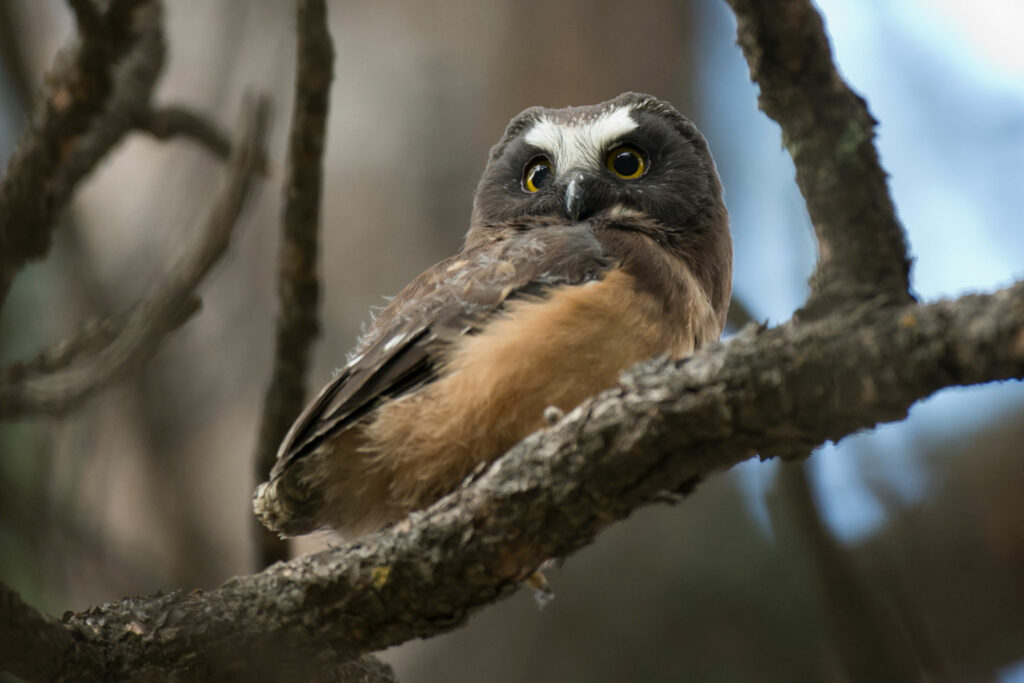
(538, 174)
(626, 162)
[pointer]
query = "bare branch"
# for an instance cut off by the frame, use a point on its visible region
(826, 127)
(667, 425)
(866, 638)
(298, 286)
(91, 338)
(149, 321)
(173, 121)
(76, 123)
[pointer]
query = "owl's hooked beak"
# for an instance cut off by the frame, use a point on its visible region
(579, 201)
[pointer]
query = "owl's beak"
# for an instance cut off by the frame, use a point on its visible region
(578, 201)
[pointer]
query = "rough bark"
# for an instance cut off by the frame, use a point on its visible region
(37, 648)
(826, 127)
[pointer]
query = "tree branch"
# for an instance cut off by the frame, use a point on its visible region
(79, 118)
(167, 122)
(91, 338)
(298, 286)
(35, 647)
(666, 426)
(826, 127)
(55, 383)
(868, 643)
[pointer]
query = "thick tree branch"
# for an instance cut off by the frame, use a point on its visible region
(298, 287)
(56, 383)
(826, 127)
(35, 647)
(667, 425)
(79, 118)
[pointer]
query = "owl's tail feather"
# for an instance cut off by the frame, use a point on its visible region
(288, 505)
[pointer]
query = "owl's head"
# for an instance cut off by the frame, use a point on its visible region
(633, 164)
(634, 154)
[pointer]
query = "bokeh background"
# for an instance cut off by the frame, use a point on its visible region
(147, 487)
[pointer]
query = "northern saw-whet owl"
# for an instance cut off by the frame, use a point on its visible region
(598, 238)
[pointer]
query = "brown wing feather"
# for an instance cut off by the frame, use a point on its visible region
(403, 348)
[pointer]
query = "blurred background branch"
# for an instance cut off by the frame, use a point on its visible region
(78, 119)
(58, 384)
(169, 121)
(298, 288)
(869, 643)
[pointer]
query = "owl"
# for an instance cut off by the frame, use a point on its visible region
(598, 238)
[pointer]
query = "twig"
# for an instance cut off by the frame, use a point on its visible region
(667, 424)
(298, 286)
(172, 121)
(119, 58)
(90, 339)
(826, 127)
(150, 320)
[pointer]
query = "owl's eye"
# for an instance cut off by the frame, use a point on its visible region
(626, 162)
(538, 173)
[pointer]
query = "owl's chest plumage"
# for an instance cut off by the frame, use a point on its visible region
(580, 318)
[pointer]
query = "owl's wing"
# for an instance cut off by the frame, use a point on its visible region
(408, 340)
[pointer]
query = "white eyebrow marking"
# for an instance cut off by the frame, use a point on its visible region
(580, 142)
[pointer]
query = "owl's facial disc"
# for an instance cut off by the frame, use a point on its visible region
(633, 157)
(577, 152)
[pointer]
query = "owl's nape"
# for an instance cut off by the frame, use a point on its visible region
(598, 239)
